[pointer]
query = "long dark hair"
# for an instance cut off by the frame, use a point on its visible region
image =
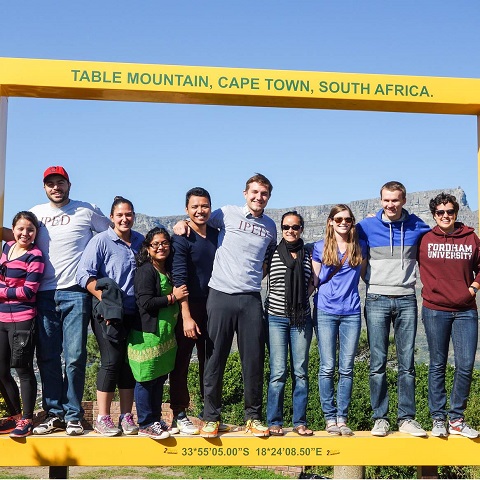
(143, 255)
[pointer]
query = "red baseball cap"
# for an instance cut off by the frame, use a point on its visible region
(55, 171)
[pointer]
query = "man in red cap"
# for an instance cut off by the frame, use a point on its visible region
(66, 226)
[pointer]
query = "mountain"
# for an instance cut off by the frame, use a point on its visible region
(316, 216)
(315, 219)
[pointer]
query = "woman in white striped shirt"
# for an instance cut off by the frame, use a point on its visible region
(289, 324)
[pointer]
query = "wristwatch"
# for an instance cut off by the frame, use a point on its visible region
(475, 289)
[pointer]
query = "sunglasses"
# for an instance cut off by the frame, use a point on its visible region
(339, 220)
(293, 227)
(441, 213)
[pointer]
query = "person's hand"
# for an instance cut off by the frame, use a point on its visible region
(181, 228)
(190, 328)
(180, 292)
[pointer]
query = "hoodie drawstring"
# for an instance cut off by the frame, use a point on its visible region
(402, 243)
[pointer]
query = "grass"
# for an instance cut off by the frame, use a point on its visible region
(180, 472)
(228, 472)
(145, 472)
(6, 475)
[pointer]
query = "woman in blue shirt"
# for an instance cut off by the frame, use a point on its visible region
(338, 262)
(111, 255)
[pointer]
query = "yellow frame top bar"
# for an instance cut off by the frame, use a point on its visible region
(84, 80)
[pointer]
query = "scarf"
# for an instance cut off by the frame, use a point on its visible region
(295, 295)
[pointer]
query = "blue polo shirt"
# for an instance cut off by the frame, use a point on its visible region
(106, 255)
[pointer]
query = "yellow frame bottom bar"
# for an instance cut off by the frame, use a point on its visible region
(92, 449)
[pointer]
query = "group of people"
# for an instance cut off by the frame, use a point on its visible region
(150, 300)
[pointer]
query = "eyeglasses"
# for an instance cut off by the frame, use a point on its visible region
(293, 227)
(441, 213)
(163, 244)
(339, 220)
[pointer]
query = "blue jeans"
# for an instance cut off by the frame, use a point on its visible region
(148, 400)
(463, 328)
(380, 311)
(329, 329)
(283, 337)
(63, 317)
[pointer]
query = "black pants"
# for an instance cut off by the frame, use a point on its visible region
(8, 386)
(229, 314)
(179, 395)
(114, 368)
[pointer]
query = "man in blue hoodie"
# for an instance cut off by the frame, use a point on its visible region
(392, 236)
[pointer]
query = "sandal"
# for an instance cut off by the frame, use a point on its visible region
(276, 430)
(303, 431)
(333, 429)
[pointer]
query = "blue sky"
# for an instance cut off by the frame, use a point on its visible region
(153, 153)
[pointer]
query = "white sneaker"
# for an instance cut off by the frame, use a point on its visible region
(381, 428)
(183, 423)
(412, 427)
(74, 428)
(51, 424)
(459, 427)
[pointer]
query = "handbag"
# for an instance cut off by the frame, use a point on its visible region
(23, 346)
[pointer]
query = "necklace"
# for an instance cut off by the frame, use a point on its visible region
(19, 252)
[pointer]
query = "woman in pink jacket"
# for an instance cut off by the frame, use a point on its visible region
(21, 269)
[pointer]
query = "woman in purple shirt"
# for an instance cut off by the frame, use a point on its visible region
(338, 262)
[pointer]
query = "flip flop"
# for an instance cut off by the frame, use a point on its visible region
(303, 431)
(276, 430)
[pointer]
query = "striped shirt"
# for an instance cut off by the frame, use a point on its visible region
(275, 301)
(19, 282)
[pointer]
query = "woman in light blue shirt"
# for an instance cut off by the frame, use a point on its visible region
(107, 270)
(337, 265)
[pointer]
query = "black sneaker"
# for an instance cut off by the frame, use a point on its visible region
(51, 424)
(9, 424)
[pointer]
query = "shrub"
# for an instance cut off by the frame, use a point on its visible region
(360, 414)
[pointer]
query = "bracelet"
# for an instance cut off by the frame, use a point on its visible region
(170, 299)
